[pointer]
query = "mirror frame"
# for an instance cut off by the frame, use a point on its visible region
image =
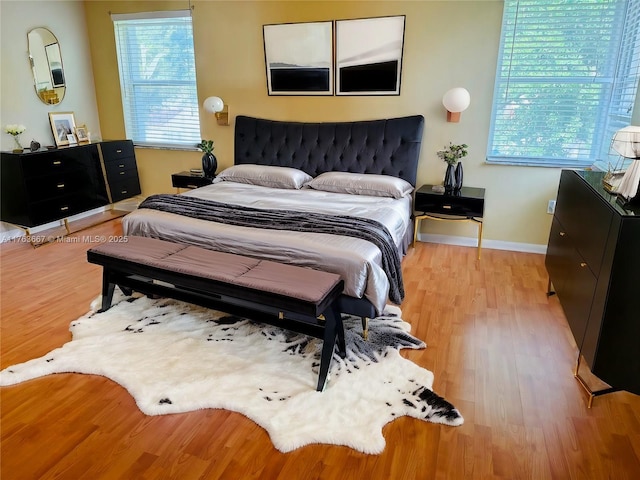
(47, 68)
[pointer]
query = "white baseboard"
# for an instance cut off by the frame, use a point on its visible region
(491, 244)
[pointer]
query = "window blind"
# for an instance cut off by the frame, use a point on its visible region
(156, 63)
(566, 80)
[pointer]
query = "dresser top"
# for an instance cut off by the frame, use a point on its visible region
(594, 180)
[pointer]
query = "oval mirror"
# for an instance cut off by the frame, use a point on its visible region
(46, 64)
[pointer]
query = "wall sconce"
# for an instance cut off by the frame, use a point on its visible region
(456, 101)
(216, 106)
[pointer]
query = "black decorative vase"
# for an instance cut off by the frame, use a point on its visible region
(209, 165)
(458, 176)
(449, 179)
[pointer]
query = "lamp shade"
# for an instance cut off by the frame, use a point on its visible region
(213, 104)
(456, 100)
(626, 142)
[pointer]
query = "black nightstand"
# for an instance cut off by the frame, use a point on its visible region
(189, 180)
(465, 205)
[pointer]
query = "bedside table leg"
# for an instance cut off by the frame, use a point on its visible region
(479, 238)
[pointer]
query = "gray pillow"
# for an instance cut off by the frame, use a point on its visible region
(361, 184)
(265, 175)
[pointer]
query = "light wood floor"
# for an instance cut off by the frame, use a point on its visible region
(499, 348)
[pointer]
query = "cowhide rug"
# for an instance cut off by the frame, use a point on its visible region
(174, 357)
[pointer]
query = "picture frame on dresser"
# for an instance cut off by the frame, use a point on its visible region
(62, 125)
(82, 134)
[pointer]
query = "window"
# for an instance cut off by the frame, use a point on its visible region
(157, 78)
(566, 80)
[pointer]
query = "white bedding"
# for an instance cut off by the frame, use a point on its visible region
(357, 261)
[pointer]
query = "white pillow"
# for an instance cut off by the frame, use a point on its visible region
(361, 184)
(265, 175)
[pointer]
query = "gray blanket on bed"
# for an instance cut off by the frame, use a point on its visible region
(363, 228)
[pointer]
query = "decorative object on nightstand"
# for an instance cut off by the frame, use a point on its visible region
(209, 161)
(15, 131)
(452, 155)
(466, 204)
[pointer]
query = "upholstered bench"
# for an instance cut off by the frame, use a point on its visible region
(296, 298)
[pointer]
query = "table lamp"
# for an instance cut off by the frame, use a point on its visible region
(626, 142)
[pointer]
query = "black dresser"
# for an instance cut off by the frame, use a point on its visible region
(48, 185)
(593, 261)
(119, 160)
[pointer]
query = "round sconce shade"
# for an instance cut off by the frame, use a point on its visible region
(626, 142)
(456, 100)
(213, 104)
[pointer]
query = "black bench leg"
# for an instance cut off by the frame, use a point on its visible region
(342, 348)
(126, 290)
(333, 330)
(328, 345)
(107, 290)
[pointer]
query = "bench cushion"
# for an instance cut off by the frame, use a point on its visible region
(288, 280)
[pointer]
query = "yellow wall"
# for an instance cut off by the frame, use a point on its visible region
(447, 44)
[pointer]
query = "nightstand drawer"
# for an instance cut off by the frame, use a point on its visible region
(469, 202)
(186, 180)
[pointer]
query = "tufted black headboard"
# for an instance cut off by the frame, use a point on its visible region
(389, 147)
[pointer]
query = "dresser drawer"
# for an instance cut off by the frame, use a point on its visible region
(125, 188)
(120, 176)
(61, 207)
(120, 165)
(55, 185)
(43, 165)
(585, 216)
(117, 150)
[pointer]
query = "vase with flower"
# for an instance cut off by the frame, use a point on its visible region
(453, 155)
(209, 161)
(15, 131)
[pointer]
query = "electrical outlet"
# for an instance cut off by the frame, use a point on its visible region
(551, 207)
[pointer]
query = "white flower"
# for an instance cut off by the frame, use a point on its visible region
(14, 129)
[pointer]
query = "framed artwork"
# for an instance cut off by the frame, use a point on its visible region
(82, 134)
(62, 124)
(72, 139)
(369, 55)
(299, 58)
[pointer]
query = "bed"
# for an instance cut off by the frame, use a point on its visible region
(313, 177)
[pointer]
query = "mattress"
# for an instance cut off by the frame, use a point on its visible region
(357, 261)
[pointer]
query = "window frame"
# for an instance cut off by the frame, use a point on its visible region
(607, 119)
(133, 106)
